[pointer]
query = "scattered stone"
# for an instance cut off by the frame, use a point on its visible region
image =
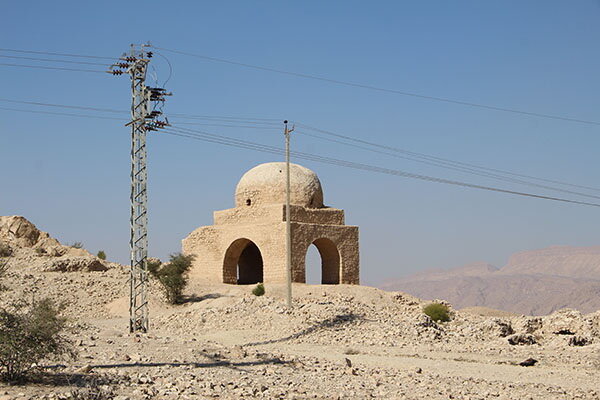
(85, 369)
(530, 362)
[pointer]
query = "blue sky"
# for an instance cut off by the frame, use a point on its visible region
(70, 175)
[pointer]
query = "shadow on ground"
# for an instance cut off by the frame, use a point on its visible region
(222, 363)
(193, 298)
(64, 379)
(329, 323)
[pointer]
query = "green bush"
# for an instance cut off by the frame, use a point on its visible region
(77, 245)
(152, 265)
(437, 312)
(28, 335)
(172, 275)
(101, 255)
(5, 250)
(259, 290)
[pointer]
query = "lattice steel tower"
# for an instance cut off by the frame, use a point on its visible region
(143, 119)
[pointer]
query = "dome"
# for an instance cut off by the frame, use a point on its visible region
(265, 184)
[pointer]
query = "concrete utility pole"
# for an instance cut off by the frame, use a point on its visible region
(142, 120)
(288, 224)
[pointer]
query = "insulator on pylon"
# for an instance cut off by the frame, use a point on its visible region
(153, 114)
(115, 72)
(149, 54)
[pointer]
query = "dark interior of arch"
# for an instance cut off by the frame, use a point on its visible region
(250, 265)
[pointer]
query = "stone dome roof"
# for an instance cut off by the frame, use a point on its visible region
(265, 184)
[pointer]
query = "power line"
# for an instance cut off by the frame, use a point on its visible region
(36, 103)
(272, 121)
(228, 126)
(51, 60)
(57, 54)
(65, 114)
(439, 159)
(123, 119)
(380, 89)
(257, 123)
(219, 139)
(456, 168)
(55, 68)
(229, 119)
(224, 140)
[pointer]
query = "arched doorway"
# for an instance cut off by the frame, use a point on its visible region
(243, 263)
(312, 266)
(330, 262)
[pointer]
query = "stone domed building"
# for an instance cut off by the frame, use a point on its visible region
(247, 243)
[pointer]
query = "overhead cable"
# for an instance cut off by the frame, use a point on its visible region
(57, 54)
(266, 124)
(439, 159)
(381, 89)
(55, 68)
(51, 60)
(206, 136)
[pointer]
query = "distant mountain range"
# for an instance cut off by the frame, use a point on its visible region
(535, 282)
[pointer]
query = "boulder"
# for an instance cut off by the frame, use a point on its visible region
(21, 233)
(18, 230)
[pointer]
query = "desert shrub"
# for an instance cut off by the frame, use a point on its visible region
(28, 335)
(437, 312)
(77, 245)
(259, 290)
(39, 251)
(5, 250)
(153, 265)
(101, 255)
(172, 275)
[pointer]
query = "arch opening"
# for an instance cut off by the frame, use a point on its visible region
(330, 263)
(243, 263)
(312, 266)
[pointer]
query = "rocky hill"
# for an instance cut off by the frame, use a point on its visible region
(337, 342)
(534, 282)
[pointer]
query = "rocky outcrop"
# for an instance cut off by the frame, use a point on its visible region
(31, 247)
(72, 264)
(18, 232)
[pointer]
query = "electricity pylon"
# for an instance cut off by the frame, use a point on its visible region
(143, 119)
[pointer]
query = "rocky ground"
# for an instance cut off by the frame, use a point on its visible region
(346, 342)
